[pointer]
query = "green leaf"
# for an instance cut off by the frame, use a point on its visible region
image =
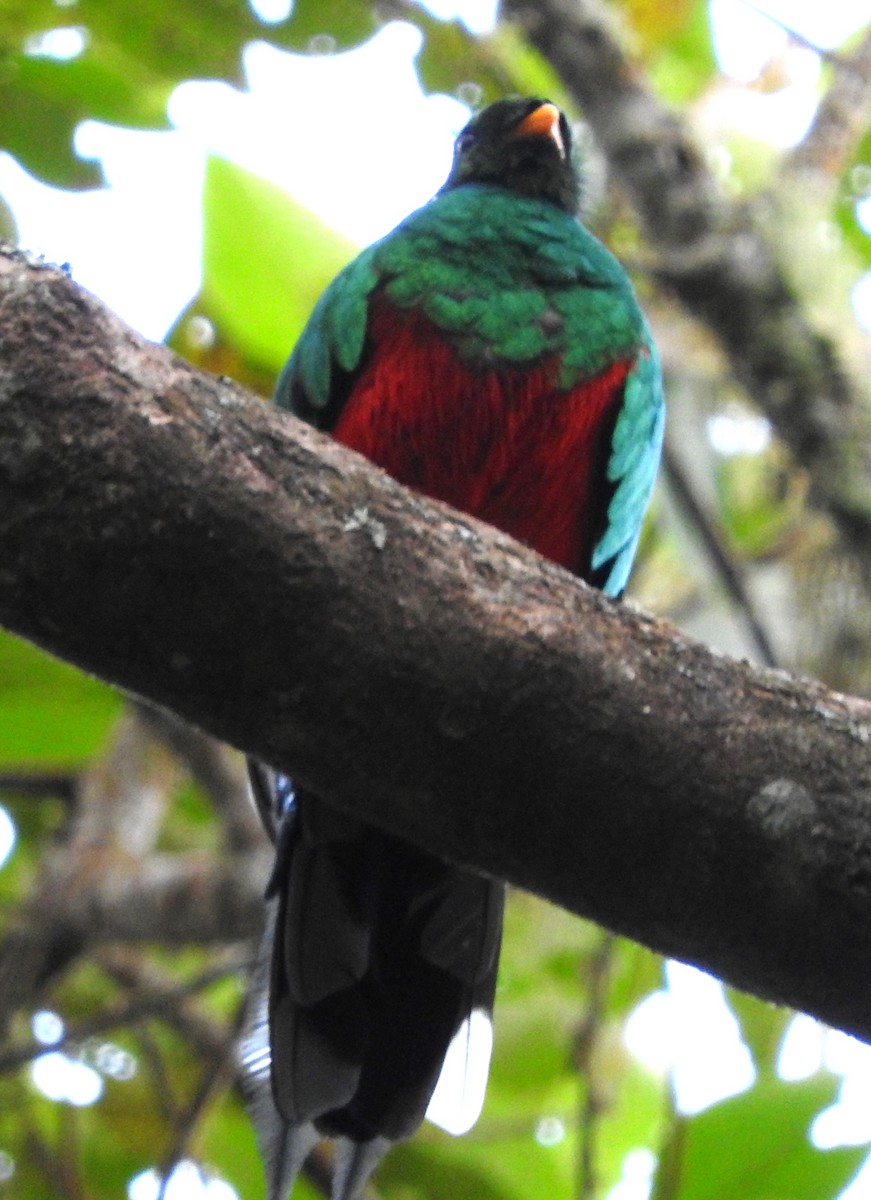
(109, 1160)
(8, 228)
(228, 1145)
(676, 38)
(452, 60)
(421, 1171)
(551, 963)
(50, 713)
(635, 973)
(266, 259)
(763, 1026)
(855, 186)
(38, 124)
(756, 1147)
(345, 22)
(761, 498)
(133, 58)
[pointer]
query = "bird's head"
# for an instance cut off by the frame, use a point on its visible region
(524, 145)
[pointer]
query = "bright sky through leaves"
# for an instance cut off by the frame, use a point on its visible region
(137, 245)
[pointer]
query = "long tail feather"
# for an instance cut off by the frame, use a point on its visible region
(283, 1147)
(355, 1162)
(374, 983)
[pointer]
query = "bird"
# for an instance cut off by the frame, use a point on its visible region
(490, 353)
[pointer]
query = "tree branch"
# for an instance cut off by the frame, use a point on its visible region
(183, 540)
(840, 122)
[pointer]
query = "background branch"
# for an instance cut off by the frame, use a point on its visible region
(713, 255)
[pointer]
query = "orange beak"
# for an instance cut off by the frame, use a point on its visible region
(543, 121)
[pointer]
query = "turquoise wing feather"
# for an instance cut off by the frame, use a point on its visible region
(632, 467)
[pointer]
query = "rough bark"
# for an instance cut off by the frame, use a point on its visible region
(179, 538)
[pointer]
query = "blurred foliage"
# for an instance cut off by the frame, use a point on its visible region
(131, 60)
(569, 1109)
(855, 187)
(38, 697)
(675, 41)
(261, 276)
(755, 1146)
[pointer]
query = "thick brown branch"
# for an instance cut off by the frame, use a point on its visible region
(180, 538)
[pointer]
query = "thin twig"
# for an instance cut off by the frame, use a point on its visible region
(724, 564)
(40, 785)
(156, 1004)
(167, 1103)
(217, 1074)
(206, 1035)
(830, 56)
(597, 979)
(121, 798)
(54, 1165)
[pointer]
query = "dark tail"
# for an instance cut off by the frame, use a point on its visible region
(382, 958)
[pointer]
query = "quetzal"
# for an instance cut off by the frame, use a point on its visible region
(490, 353)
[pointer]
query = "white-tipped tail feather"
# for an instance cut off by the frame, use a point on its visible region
(459, 1095)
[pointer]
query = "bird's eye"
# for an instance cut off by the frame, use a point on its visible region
(464, 143)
